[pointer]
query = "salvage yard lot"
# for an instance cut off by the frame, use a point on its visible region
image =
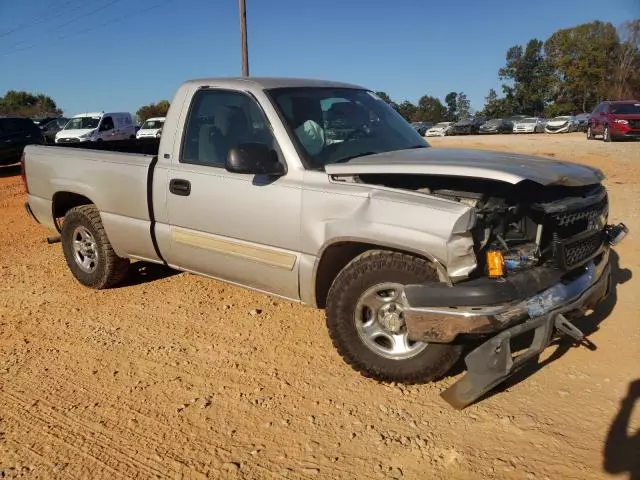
(172, 375)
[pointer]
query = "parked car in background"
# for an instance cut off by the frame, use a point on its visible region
(468, 126)
(50, 128)
(421, 127)
(97, 127)
(496, 125)
(529, 125)
(561, 124)
(15, 134)
(40, 121)
(615, 120)
(440, 129)
(151, 128)
(581, 122)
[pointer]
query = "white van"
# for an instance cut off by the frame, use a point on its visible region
(151, 128)
(97, 127)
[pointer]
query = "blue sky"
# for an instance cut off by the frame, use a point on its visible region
(121, 54)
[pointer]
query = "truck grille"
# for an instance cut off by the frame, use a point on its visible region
(634, 124)
(572, 254)
(578, 234)
(579, 220)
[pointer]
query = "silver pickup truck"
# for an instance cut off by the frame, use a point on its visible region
(321, 193)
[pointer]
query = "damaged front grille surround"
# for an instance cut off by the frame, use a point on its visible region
(575, 232)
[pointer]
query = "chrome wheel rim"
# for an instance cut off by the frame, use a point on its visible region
(605, 135)
(85, 249)
(379, 320)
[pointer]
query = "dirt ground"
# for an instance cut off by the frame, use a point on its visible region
(176, 376)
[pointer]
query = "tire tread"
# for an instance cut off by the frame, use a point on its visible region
(115, 268)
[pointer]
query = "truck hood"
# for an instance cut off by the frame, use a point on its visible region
(506, 167)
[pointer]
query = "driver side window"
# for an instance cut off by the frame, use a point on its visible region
(107, 124)
(219, 120)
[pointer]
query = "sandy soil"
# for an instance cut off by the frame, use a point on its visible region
(177, 376)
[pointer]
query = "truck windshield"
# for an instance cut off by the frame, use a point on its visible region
(82, 123)
(331, 125)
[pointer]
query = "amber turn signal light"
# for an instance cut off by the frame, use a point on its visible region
(495, 262)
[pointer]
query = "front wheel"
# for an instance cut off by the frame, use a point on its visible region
(365, 319)
(589, 133)
(87, 250)
(606, 136)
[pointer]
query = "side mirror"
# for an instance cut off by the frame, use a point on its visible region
(254, 158)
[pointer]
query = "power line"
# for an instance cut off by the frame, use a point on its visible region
(88, 14)
(90, 29)
(41, 19)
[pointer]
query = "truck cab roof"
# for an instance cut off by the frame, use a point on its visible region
(268, 82)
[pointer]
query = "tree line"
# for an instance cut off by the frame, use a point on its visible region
(569, 73)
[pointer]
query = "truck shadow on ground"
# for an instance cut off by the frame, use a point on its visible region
(143, 272)
(11, 171)
(622, 449)
(588, 325)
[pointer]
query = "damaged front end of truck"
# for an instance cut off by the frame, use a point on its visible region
(535, 255)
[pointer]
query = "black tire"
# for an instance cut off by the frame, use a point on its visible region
(589, 133)
(606, 136)
(365, 271)
(109, 269)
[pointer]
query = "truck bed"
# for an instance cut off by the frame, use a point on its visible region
(115, 182)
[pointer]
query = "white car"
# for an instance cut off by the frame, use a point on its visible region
(562, 124)
(529, 125)
(151, 128)
(439, 129)
(97, 127)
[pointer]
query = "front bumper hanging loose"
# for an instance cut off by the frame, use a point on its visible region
(543, 313)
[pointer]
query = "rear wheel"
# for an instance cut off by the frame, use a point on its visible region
(365, 319)
(87, 250)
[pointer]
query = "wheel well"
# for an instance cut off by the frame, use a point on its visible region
(336, 257)
(65, 201)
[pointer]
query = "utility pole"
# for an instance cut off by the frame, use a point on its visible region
(243, 35)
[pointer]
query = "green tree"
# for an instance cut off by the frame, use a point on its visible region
(159, 109)
(408, 110)
(583, 59)
(496, 107)
(25, 104)
(430, 109)
(529, 77)
(452, 106)
(463, 105)
(627, 73)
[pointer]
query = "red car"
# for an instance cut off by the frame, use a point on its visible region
(614, 120)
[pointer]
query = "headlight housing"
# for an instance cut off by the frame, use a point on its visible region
(621, 121)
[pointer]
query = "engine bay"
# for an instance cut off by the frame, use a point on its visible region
(525, 224)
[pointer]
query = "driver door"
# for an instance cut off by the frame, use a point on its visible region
(240, 228)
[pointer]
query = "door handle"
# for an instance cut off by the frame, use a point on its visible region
(177, 186)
